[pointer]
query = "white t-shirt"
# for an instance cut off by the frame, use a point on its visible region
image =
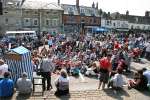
(118, 80)
(148, 47)
(3, 69)
(147, 74)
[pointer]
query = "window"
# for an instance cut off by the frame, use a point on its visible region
(82, 11)
(95, 20)
(50, 22)
(27, 22)
(36, 12)
(6, 20)
(70, 11)
(47, 12)
(91, 20)
(114, 24)
(35, 22)
(47, 22)
(27, 12)
(107, 23)
(136, 19)
(55, 22)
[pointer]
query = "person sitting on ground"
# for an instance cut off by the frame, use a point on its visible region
(117, 81)
(62, 84)
(24, 85)
(6, 86)
(146, 73)
(140, 81)
(93, 70)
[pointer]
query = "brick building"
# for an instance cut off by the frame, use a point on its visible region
(77, 19)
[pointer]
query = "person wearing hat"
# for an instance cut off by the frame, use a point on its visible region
(24, 85)
(3, 68)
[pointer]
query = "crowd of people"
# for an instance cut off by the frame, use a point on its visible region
(105, 56)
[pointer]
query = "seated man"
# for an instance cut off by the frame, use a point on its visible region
(6, 86)
(24, 85)
(117, 81)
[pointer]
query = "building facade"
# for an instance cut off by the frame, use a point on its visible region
(42, 16)
(76, 18)
(37, 15)
(115, 24)
(139, 23)
(11, 17)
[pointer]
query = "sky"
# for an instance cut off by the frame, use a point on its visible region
(135, 7)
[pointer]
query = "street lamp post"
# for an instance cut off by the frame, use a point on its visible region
(82, 27)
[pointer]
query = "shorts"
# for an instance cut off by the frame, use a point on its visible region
(104, 77)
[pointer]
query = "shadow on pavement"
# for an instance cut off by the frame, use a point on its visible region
(5, 98)
(23, 96)
(65, 97)
(117, 94)
(145, 92)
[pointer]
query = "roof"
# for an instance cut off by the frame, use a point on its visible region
(88, 11)
(40, 4)
(67, 7)
(20, 50)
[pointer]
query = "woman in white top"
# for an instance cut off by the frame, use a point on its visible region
(62, 84)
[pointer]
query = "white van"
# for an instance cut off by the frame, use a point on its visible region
(13, 34)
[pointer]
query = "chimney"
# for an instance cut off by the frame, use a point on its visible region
(77, 3)
(1, 8)
(22, 2)
(127, 12)
(147, 14)
(97, 5)
(93, 5)
(58, 2)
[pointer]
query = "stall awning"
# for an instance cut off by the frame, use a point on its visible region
(101, 29)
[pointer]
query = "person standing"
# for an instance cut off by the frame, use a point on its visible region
(46, 67)
(105, 68)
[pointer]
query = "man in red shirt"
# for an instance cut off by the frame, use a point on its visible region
(105, 68)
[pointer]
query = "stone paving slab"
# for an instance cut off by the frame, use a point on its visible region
(107, 94)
